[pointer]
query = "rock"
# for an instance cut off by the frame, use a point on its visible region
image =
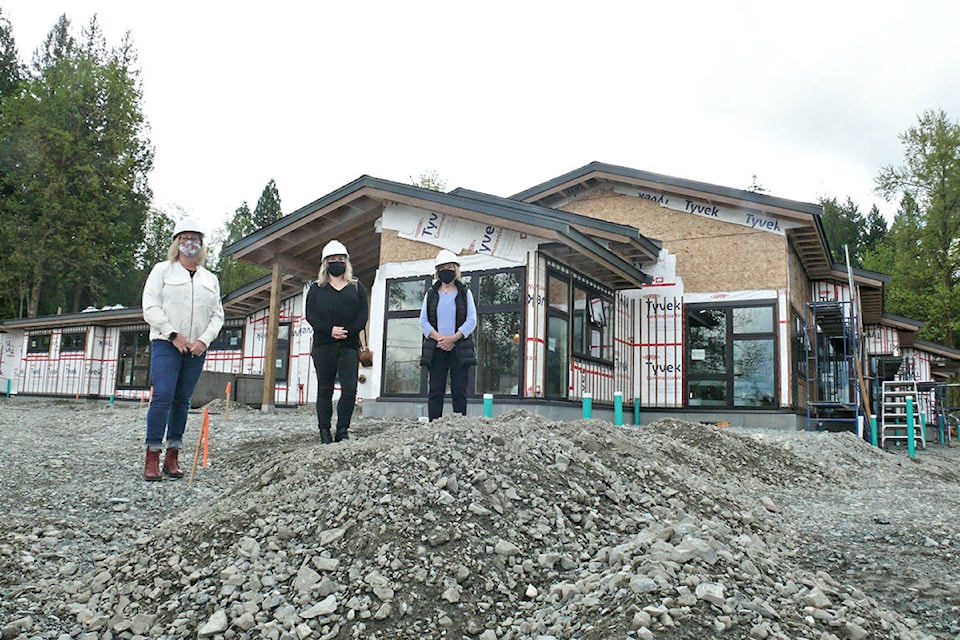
(217, 623)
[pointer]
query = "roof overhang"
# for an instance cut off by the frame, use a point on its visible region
(99, 318)
(945, 361)
(807, 237)
(900, 322)
(255, 296)
(350, 214)
(869, 286)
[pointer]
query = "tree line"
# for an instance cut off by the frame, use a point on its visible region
(77, 225)
(920, 250)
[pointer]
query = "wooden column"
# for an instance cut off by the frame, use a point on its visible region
(270, 357)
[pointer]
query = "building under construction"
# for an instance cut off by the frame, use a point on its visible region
(674, 296)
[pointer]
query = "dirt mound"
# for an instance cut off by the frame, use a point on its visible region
(517, 527)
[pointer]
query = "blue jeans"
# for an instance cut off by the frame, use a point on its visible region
(174, 377)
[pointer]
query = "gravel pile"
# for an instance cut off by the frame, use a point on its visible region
(507, 529)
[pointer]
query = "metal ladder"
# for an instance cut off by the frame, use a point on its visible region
(895, 425)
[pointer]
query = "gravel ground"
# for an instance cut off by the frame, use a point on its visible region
(469, 528)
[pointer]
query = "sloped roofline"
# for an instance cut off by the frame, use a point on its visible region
(542, 217)
(938, 349)
(534, 193)
(902, 322)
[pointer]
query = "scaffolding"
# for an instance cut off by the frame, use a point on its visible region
(946, 416)
(833, 394)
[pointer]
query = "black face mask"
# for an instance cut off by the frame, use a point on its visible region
(336, 269)
(447, 275)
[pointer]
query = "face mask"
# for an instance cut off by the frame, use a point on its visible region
(190, 248)
(336, 269)
(447, 275)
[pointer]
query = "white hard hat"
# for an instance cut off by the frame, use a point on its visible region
(446, 256)
(334, 248)
(187, 224)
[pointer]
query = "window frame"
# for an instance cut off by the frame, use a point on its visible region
(137, 366)
(66, 337)
(593, 290)
(731, 336)
(42, 346)
(471, 279)
(220, 342)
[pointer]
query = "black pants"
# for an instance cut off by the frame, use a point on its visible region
(332, 361)
(444, 363)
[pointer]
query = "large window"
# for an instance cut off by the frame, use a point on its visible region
(499, 299)
(401, 354)
(133, 362)
(731, 356)
(558, 335)
(498, 296)
(579, 323)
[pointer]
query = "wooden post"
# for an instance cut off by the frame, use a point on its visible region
(270, 357)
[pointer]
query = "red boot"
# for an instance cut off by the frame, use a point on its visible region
(171, 463)
(151, 470)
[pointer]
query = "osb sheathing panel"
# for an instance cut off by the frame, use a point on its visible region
(711, 255)
(799, 284)
(393, 248)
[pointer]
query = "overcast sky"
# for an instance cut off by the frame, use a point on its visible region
(500, 96)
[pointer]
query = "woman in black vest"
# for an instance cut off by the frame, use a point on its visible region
(447, 319)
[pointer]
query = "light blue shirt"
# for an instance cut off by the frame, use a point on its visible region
(447, 315)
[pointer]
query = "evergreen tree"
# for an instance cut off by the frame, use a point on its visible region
(234, 273)
(926, 264)
(76, 152)
(10, 72)
(875, 231)
(843, 226)
(268, 206)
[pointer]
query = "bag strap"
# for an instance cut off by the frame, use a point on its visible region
(363, 338)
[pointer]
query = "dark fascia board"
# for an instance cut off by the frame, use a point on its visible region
(299, 214)
(670, 181)
(631, 233)
(902, 322)
(239, 292)
(861, 275)
(938, 349)
(75, 319)
(446, 199)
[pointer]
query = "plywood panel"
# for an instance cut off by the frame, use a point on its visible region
(393, 248)
(712, 255)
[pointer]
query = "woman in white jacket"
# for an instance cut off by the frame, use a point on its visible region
(181, 303)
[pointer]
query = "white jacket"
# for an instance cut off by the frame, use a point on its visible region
(173, 301)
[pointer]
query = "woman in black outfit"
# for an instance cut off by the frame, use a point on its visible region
(337, 309)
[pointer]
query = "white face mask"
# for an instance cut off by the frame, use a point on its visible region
(190, 248)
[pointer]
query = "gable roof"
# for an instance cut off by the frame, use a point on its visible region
(808, 238)
(350, 214)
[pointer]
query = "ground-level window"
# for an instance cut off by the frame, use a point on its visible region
(579, 324)
(498, 296)
(230, 337)
(39, 343)
(75, 341)
(798, 352)
(133, 360)
(731, 355)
